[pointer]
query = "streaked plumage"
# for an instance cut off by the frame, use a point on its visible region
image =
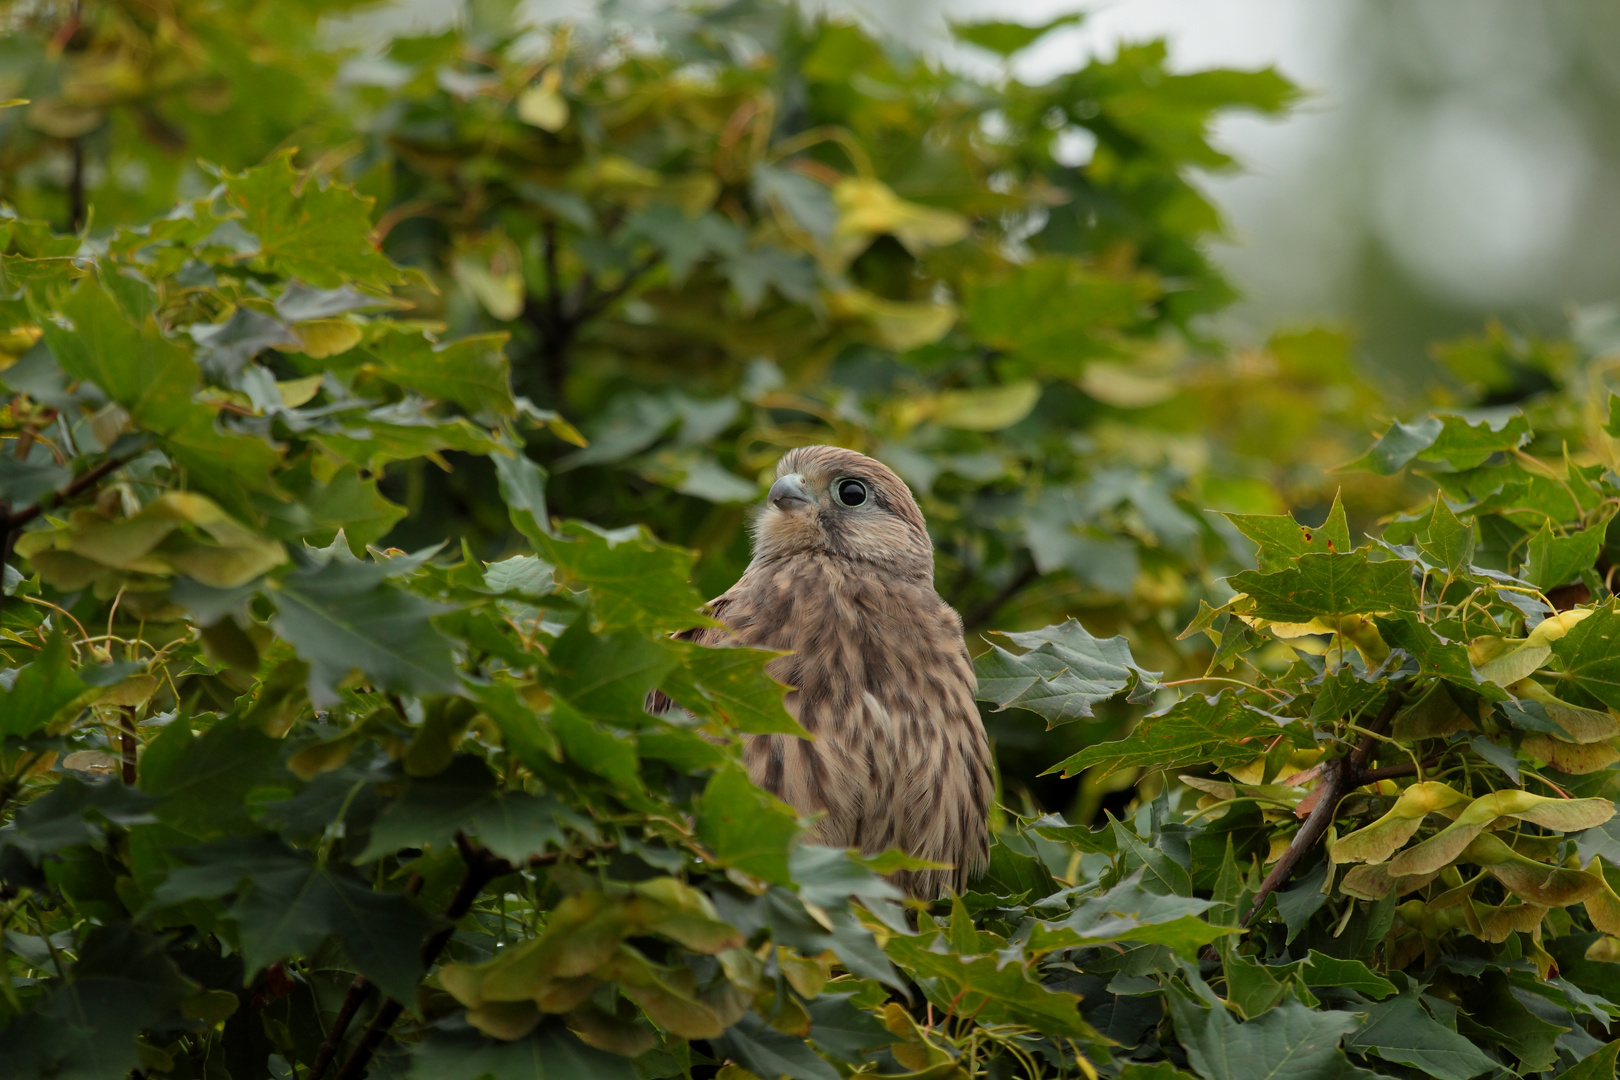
(882, 676)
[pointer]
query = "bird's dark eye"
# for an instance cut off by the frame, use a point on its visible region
(851, 492)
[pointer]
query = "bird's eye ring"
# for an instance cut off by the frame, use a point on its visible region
(850, 492)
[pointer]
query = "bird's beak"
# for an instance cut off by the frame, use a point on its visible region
(789, 493)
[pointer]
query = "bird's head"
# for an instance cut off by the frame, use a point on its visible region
(834, 501)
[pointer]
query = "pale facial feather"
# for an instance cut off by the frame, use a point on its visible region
(887, 531)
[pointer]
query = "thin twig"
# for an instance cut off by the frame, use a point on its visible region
(1391, 772)
(604, 299)
(984, 612)
(76, 208)
(22, 517)
(11, 523)
(482, 868)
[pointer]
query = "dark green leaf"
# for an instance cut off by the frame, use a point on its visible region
(1288, 1042)
(607, 676)
(1130, 912)
(634, 581)
(343, 616)
(1447, 440)
(770, 1053)
(843, 1030)
(1279, 539)
(1327, 585)
(471, 371)
(26, 481)
(1399, 1030)
(1447, 540)
(204, 779)
(1064, 672)
(1598, 1065)
(608, 754)
(550, 1053)
(66, 816)
(1221, 730)
(36, 692)
(319, 234)
(1558, 560)
(1321, 969)
(745, 827)
(1006, 38)
(432, 809)
(995, 992)
(730, 686)
(1590, 652)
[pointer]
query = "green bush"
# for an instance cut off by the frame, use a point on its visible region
(332, 591)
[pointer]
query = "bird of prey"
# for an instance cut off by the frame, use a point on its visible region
(842, 578)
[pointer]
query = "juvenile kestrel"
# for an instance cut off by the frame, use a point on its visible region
(843, 578)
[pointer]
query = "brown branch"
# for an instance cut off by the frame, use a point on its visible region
(359, 990)
(76, 206)
(482, 868)
(605, 298)
(983, 612)
(11, 523)
(127, 743)
(1390, 772)
(1339, 779)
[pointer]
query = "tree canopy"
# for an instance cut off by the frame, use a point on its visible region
(372, 418)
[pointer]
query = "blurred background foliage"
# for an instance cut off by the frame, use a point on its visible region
(712, 237)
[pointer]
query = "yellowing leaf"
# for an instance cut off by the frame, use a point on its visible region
(542, 105)
(1573, 758)
(899, 324)
(1123, 387)
(1555, 627)
(989, 409)
(1373, 882)
(1531, 881)
(296, 392)
(1496, 923)
(152, 541)
(869, 207)
(1380, 840)
(505, 1019)
(1504, 662)
(1445, 846)
(132, 692)
(1603, 906)
(1605, 949)
(96, 762)
(321, 338)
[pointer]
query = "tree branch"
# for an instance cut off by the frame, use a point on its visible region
(604, 299)
(76, 208)
(482, 868)
(359, 990)
(127, 743)
(985, 611)
(1390, 772)
(11, 523)
(1340, 778)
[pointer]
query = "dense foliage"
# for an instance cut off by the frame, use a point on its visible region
(333, 588)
